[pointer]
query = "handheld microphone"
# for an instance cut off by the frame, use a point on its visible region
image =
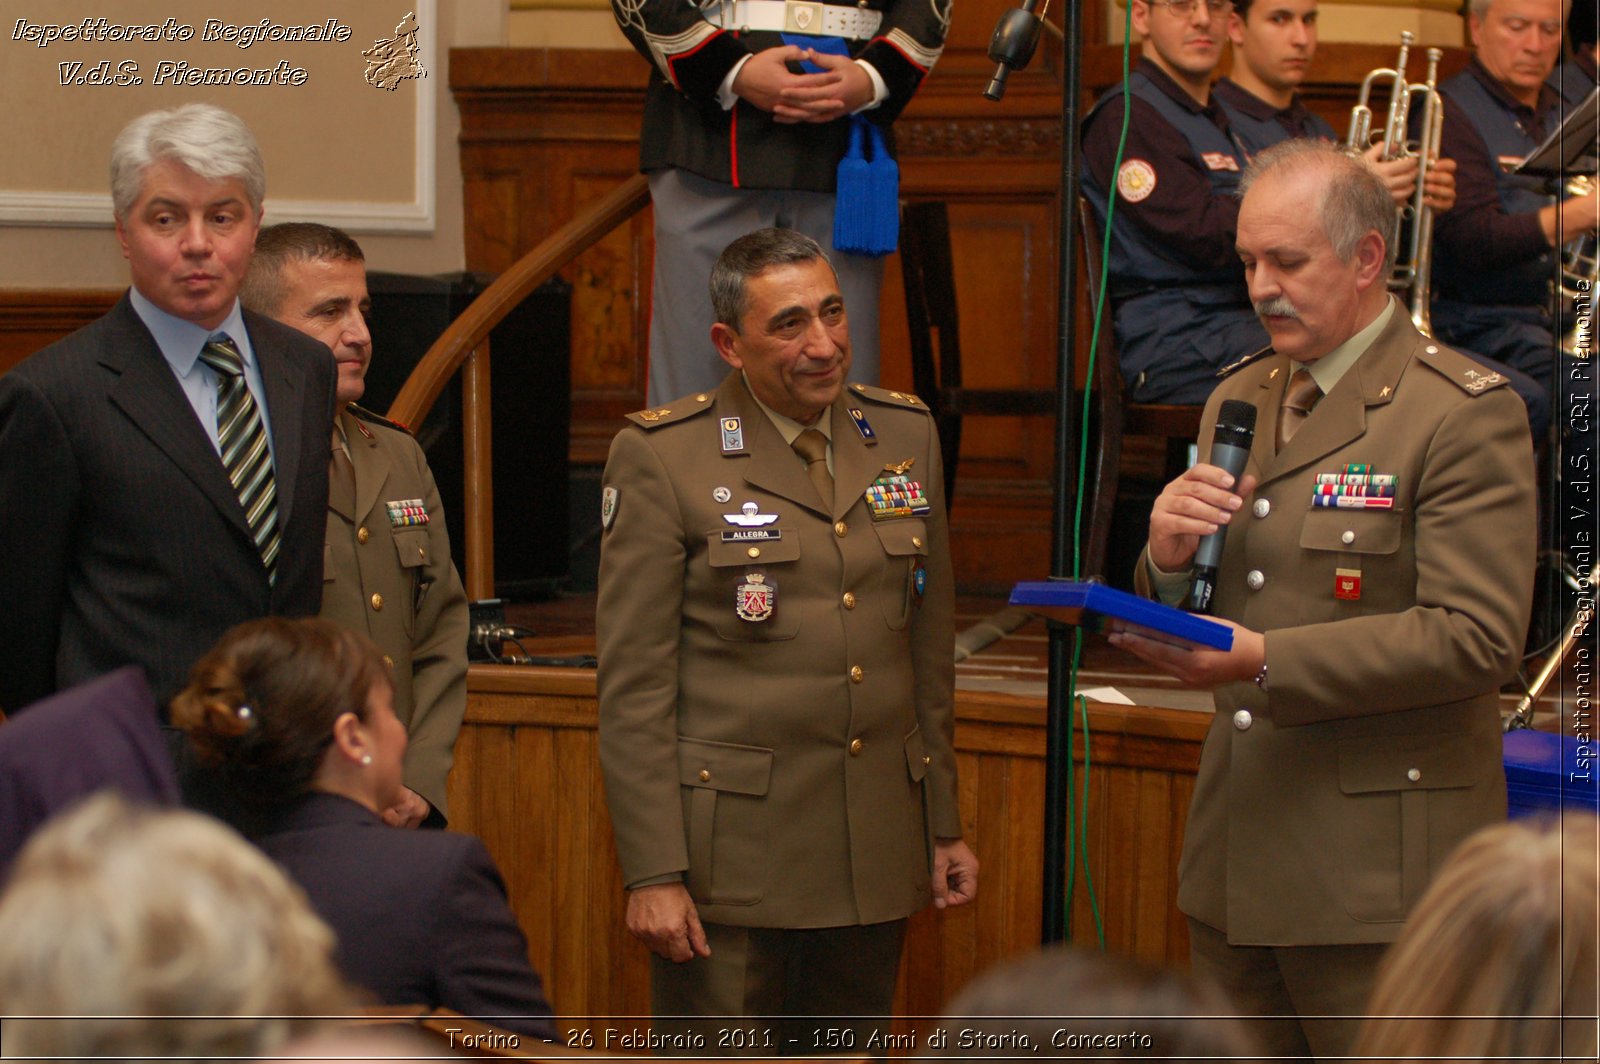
(1230, 450)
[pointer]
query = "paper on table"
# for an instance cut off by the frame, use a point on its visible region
(1106, 694)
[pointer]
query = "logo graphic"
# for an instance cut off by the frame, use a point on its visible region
(392, 61)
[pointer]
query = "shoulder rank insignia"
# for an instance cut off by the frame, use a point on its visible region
(361, 413)
(904, 400)
(1241, 363)
(677, 410)
(1469, 376)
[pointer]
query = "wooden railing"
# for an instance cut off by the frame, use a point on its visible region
(465, 347)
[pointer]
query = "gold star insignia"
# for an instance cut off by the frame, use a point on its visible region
(1384, 394)
(654, 415)
(1272, 375)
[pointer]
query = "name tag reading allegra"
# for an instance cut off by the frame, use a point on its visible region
(745, 535)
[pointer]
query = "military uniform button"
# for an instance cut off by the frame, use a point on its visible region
(856, 674)
(856, 746)
(377, 601)
(700, 398)
(1255, 579)
(840, 528)
(1242, 719)
(362, 535)
(387, 660)
(705, 775)
(849, 600)
(1262, 508)
(754, 552)
(916, 541)
(1348, 536)
(1413, 774)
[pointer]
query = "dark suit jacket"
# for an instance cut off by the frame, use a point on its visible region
(421, 916)
(122, 537)
(102, 735)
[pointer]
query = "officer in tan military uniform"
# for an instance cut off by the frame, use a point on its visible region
(1378, 572)
(387, 571)
(776, 672)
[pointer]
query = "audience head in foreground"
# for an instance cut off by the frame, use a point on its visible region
(1499, 960)
(149, 919)
(1071, 1002)
(297, 717)
(284, 708)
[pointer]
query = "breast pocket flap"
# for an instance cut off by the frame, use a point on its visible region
(1406, 763)
(1352, 531)
(411, 544)
(724, 553)
(903, 537)
(724, 766)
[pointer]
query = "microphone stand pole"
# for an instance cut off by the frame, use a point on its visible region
(1056, 924)
(1011, 47)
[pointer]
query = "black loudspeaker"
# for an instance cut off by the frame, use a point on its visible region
(530, 397)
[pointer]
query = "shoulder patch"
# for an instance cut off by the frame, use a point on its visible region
(363, 414)
(903, 400)
(1471, 377)
(677, 410)
(1136, 180)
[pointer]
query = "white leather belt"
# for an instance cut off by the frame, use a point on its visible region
(795, 16)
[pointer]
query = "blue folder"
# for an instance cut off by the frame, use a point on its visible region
(1090, 605)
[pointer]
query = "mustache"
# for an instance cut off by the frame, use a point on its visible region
(1277, 307)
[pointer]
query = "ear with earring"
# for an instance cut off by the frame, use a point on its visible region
(366, 759)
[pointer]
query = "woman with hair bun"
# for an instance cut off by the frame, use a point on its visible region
(296, 718)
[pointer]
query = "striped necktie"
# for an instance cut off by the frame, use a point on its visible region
(244, 449)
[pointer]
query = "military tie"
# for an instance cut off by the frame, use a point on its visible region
(813, 447)
(244, 449)
(1298, 399)
(341, 476)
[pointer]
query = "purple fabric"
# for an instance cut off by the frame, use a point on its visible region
(105, 733)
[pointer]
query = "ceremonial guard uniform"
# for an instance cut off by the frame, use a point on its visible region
(1178, 296)
(387, 573)
(719, 172)
(1259, 125)
(1387, 556)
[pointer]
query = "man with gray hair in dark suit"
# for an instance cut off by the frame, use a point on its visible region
(163, 470)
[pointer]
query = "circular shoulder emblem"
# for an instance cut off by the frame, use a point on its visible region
(1136, 180)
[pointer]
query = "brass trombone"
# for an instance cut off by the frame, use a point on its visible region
(1412, 276)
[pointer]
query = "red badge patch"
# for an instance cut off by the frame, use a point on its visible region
(1347, 584)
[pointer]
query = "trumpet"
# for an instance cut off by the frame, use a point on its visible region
(1413, 270)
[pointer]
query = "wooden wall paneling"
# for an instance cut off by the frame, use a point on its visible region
(527, 780)
(565, 122)
(34, 318)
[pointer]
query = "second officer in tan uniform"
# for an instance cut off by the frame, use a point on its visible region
(776, 673)
(386, 571)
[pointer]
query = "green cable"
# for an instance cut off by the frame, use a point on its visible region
(1078, 833)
